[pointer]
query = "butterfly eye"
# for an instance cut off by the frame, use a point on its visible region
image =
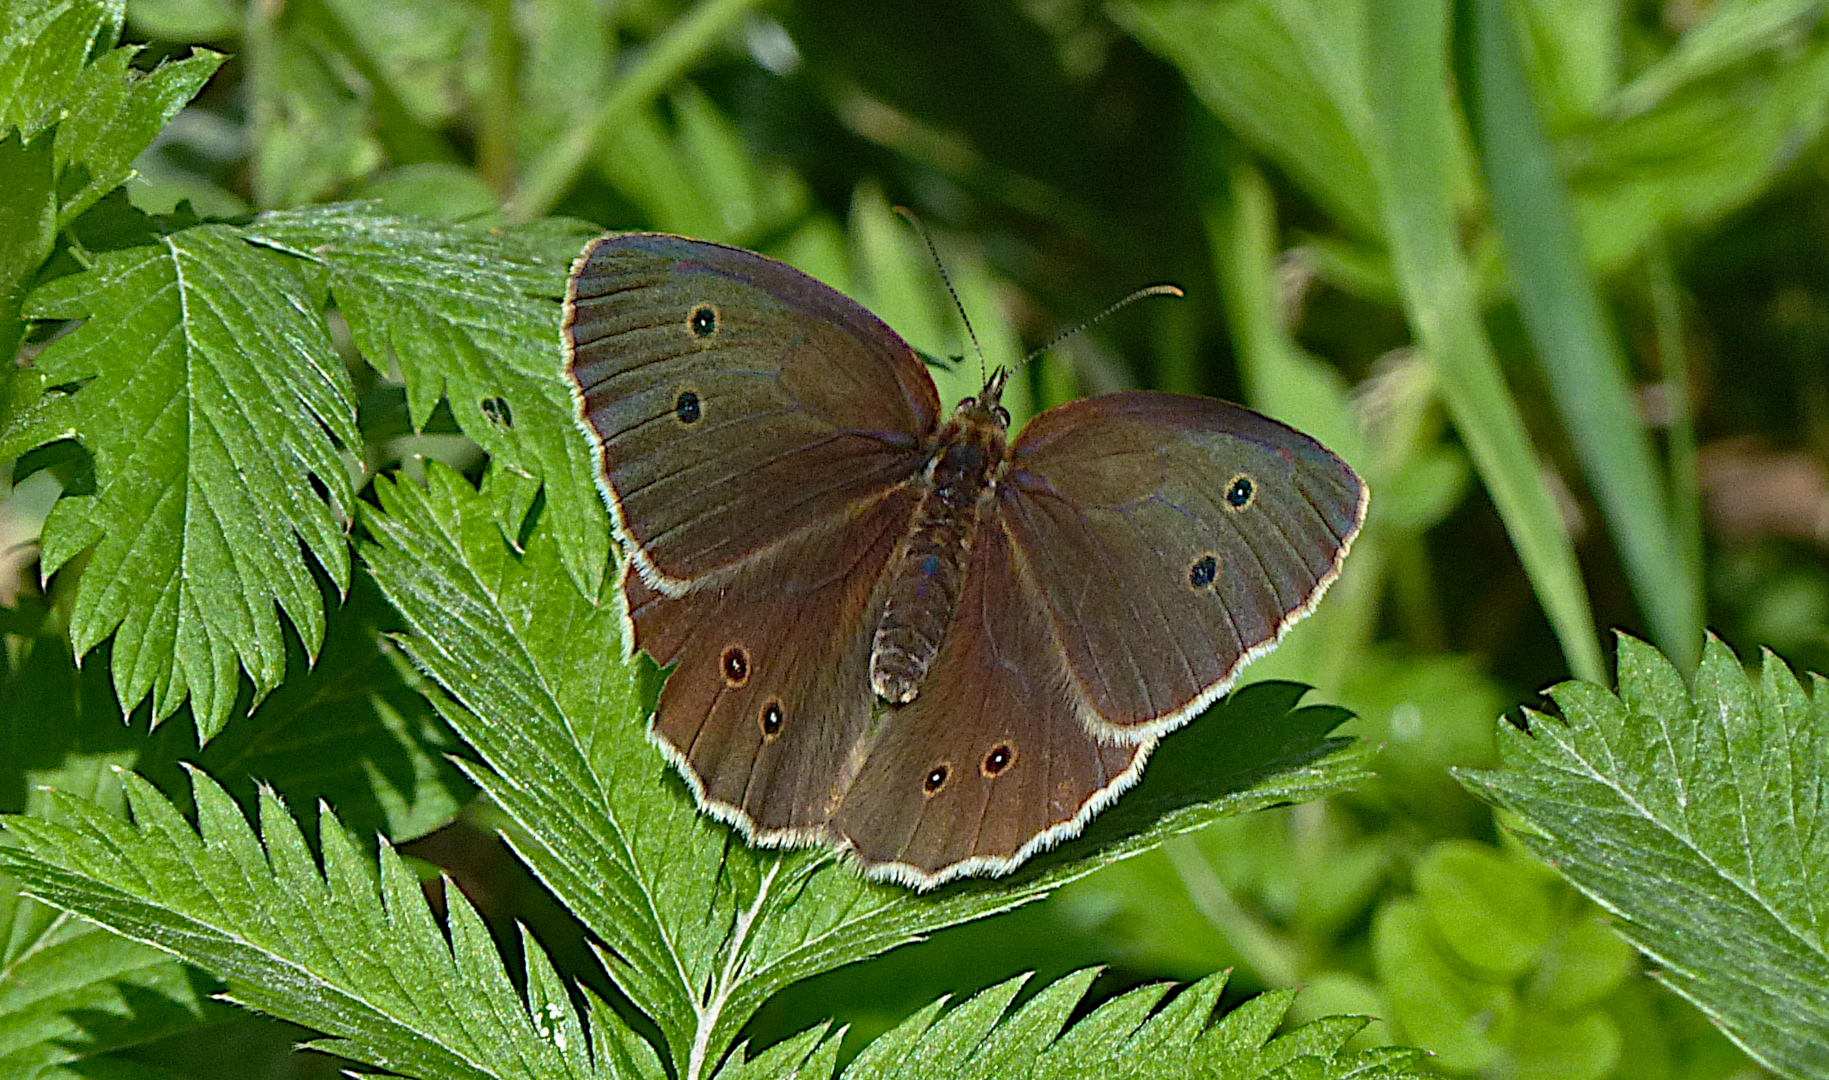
(1241, 492)
(936, 779)
(1202, 573)
(686, 407)
(772, 716)
(998, 759)
(736, 665)
(703, 322)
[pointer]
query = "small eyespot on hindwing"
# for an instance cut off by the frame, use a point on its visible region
(936, 779)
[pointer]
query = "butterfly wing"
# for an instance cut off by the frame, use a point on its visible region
(771, 692)
(1172, 539)
(732, 399)
(991, 762)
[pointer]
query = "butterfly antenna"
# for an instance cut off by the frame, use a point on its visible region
(947, 279)
(1148, 290)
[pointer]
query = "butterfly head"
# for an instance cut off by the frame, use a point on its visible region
(987, 408)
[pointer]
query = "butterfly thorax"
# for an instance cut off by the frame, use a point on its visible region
(922, 586)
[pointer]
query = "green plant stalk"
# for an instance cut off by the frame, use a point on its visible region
(1410, 137)
(558, 169)
(495, 147)
(1563, 314)
(1673, 368)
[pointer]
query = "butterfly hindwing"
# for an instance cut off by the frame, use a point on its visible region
(770, 692)
(991, 762)
(733, 400)
(1172, 538)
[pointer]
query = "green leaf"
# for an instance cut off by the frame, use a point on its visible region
(1274, 85)
(42, 52)
(1492, 911)
(28, 228)
(121, 112)
(1127, 1037)
(1697, 816)
(1714, 124)
(70, 990)
(351, 729)
(1413, 143)
(700, 929)
(472, 316)
(307, 124)
(207, 388)
(352, 952)
(1583, 365)
(558, 168)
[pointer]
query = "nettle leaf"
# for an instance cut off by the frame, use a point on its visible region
(69, 989)
(1135, 1036)
(1700, 817)
(698, 928)
(206, 387)
(43, 47)
(351, 950)
(471, 315)
(120, 111)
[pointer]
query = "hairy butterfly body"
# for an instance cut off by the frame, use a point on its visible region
(914, 639)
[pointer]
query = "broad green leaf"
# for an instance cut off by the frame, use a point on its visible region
(28, 228)
(70, 990)
(471, 316)
(43, 47)
(1135, 1035)
(121, 111)
(208, 394)
(698, 928)
(351, 728)
(1700, 817)
(351, 950)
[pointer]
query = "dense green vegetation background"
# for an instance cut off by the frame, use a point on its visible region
(1549, 273)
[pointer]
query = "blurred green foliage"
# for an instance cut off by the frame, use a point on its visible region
(1550, 273)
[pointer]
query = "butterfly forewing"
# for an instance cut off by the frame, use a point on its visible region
(768, 448)
(1171, 538)
(734, 400)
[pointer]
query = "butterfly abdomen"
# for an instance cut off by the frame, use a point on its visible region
(927, 572)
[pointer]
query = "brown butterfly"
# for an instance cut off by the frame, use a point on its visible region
(900, 634)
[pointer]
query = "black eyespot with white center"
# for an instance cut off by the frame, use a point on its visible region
(736, 665)
(936, 779)
(1241, 492)
(703, 322)
(686, 407)
(999, 759)
(771, 719)
(1203, 572)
